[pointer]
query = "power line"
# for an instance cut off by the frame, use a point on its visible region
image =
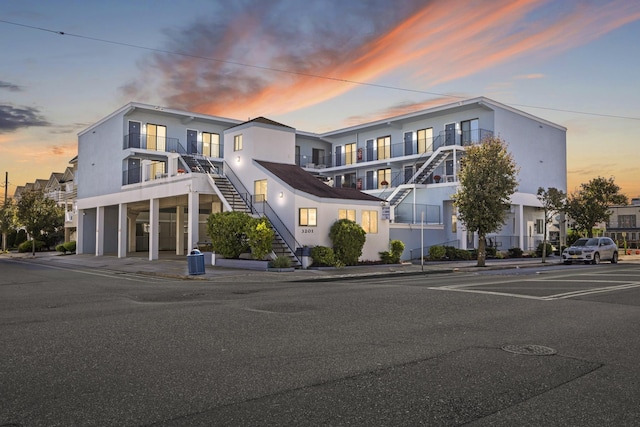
(279, 70)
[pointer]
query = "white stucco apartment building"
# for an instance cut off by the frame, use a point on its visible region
(148, 177)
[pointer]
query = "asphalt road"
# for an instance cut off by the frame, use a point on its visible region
(93, 347)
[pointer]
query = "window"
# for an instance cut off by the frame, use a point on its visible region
(425, 140)
(237, 142)
(384, 178)
(157, 170)
(350, 154)
(260, 190)
(317, 156)
(539, 226)
(470, 132)
(308, 217)
(210, 144)
(156, 137)
(384, 147)
(349, 180)
(349, 214)
(370, 222)
(626, 221)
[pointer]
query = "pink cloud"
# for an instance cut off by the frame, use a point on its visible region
(439, 45)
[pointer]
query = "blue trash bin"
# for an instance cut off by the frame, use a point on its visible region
(195, 260)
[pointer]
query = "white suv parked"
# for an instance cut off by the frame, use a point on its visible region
(591, 250)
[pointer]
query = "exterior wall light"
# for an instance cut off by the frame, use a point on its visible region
(281, 194)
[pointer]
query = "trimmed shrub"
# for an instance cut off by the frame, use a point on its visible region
(281, 261)
(548, 252)
(490, 251)
(260, 237)
(515, 253)
(235, 233)
(348, 240)
(61, 248)
(227, 231)
(26, 246)
(323, 257)
(463, 254)
(437, 252)
(70, 246)
(393, 255)
(397, 248)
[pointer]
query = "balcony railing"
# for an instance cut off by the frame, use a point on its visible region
(169, 145)
(409, 213)
(145, 173)
(371, 152)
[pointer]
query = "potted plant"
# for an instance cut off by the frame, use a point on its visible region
(437, 178)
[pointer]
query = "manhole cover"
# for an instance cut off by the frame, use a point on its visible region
(529, 349)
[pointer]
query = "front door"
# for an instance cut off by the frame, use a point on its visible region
(450, 134)
(134, 135)
(192, 142)
(133, 171)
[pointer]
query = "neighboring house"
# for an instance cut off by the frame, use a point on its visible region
(69, 194)
(61, 188)
(149, 177)
(624, 225)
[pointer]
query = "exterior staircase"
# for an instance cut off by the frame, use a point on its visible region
(229, 193)
(232, 199)
(196, 164)
(436, 159)
(421, 175)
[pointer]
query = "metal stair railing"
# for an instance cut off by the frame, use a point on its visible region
(279, 226)
(274, 219)
(237, 184)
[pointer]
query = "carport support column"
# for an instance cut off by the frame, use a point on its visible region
(122, 230)
(521, 223)
(193, 218)
(80, 232)
(179, 230)
(154, 229)
(131, 233)
(100, 231)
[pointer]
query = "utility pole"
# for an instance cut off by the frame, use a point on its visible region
(6, 188)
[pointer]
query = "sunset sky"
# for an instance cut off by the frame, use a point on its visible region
(318, 66)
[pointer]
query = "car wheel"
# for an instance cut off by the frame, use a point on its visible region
(596, 258)
(614, 259)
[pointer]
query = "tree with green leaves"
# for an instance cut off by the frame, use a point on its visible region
(590, 204)
(38, 214)
(7, 220)
(553, 201)
(487, 180)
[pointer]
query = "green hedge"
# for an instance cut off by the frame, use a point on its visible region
(26, 246)
(323, 257)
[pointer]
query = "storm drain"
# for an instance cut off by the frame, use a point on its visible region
(529, 349)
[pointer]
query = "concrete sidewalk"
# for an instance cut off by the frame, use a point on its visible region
(173, 266)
